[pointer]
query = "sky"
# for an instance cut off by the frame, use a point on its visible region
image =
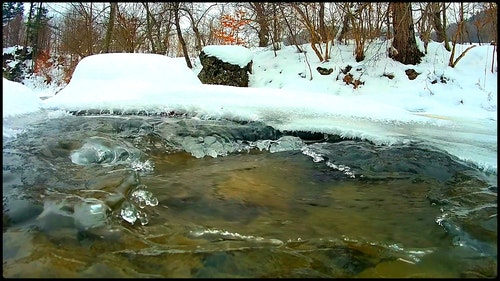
(452, 109)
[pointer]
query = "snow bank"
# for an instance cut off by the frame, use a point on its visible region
(18, 99)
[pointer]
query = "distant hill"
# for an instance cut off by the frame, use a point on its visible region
(480, 28)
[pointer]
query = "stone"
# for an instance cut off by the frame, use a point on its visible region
(216, 71)
(411, 73)
(324, 71)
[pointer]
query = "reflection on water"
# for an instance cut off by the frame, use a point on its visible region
(166, 197)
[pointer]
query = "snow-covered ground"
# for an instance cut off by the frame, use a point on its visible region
(454, 109)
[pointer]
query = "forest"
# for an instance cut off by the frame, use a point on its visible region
(61, 34)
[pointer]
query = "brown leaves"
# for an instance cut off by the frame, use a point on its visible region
(231, 25)
(348, 79)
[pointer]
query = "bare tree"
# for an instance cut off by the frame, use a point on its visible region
(191, 13)
(159, 23)
(438, 12)
(129, 35)
(405, 49)
(267, 22)
(306, 17)
(176, 9)
(452, 62)
(79, 35)
(262, 17)
(357, 20)
(424, 24)
(293, 35)
(344, 8)
(111, 23)
(381, 11)
(30, 18)
(276, 27)
(13, 30)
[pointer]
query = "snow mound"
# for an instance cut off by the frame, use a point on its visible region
(18, 99)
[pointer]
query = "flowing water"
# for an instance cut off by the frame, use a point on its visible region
(167, 196)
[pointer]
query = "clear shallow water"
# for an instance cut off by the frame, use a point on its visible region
(126, 196)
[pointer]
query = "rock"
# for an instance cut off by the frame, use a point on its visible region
(389, 75)
(411, 73)
(324, 71)
(216, 71)
(346, 69)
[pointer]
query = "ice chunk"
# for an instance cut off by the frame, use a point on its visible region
(90, 214)
(143, 197)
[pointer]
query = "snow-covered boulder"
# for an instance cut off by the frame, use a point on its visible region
(107, 79)
(225, 65)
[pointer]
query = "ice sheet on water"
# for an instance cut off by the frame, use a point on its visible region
(215, 146)
(286, 143)
(212, 146)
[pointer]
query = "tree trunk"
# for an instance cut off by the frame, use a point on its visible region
(322, 25)
(446, 41)
(345, 26)
(37, 32)
(276, 28)
(438, 25)
(91, 41)
(292, 34)
(149, 27)
(28, 30)
(404, 41)
(111, 24)
(197, 36)
(425, 26)
(261, 18)
(179, 34)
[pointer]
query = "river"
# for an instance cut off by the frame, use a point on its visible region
(177, 196)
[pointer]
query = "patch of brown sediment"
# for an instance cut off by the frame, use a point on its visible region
(400, 268)
(44, 261)
(17, 244)
(383, 212)
(159, 262)
(434, 116)
(254, 187)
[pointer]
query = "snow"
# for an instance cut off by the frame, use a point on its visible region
(121, 78)
(18, 99)
(453, 109)
(232, 54)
